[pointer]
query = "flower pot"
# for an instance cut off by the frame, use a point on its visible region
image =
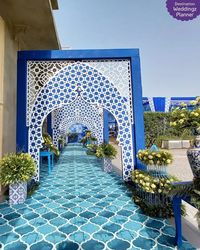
(157, 171)
(17, 193)
(107, 164)
(193, 155)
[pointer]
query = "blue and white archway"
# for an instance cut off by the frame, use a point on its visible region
(68, 123)
(79, 111)
(109, 79)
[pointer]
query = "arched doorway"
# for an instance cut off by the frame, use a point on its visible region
(112, 83)
(64, 88)
(79, 111)
(66, 124)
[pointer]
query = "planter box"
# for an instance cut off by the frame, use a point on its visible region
(107, 164)
(175, 144)
(17, 193)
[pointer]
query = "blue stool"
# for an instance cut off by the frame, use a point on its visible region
(50, 157)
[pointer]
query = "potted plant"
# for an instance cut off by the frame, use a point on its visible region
(49, 146)
(84, 141)
(155, 159)
(61, 142)
(15, 171)
(153, 185)
(184, 117)
(107, 152)
(151, 193)
(88, 139)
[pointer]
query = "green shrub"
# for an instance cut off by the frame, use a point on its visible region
(48, 145)
(16, 168)
(106, 150)
(157, 128)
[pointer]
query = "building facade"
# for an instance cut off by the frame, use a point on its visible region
(23, 26)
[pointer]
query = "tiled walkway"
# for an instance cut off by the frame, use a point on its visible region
(79, 206)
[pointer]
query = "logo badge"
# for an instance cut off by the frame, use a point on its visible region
(183, 10)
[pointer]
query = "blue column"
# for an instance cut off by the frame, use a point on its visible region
(105, 126)
(159, 104)
(49, 125)
(22, 129)
(177, 218)
(138, 112)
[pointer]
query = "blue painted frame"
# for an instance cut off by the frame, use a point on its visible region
(105, 126)
(43, 55)
(49, 125)
(159, 104)
(22, 129)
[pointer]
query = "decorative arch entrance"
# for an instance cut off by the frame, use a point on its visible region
(98, 83)
(79, 111)
(66, 124)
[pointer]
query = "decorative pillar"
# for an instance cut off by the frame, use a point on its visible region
(105, 126)
(49, 125)
(138, 112)
(22, 129)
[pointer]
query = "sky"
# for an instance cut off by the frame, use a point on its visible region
(169, 49)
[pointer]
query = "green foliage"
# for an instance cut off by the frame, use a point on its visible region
(33, 187)
(157, 128)
(88, 138)
(154, 210)
(93, 139)
(48, 145)
(16, 168)
(84, 140)
(72, 136)
(182, 117)
(91, 149)
(161, 187)
(152, 184)
(158, 158)
(61, 140)
(106, 150)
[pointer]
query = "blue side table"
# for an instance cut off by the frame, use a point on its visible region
(50, 157)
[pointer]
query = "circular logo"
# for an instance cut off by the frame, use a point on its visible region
(183, 10)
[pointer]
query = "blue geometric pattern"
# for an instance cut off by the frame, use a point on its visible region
(78, 206)
(78, 112)
(67, 123)
(95, 89)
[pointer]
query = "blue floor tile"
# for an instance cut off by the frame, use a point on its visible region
(31, 238)
(42, 245)
(144, 243)
(119, 244)
(94, 245)
(67, 245)
(78, 206)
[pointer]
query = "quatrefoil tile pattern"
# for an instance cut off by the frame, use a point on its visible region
(95, 89)
(80, 207)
